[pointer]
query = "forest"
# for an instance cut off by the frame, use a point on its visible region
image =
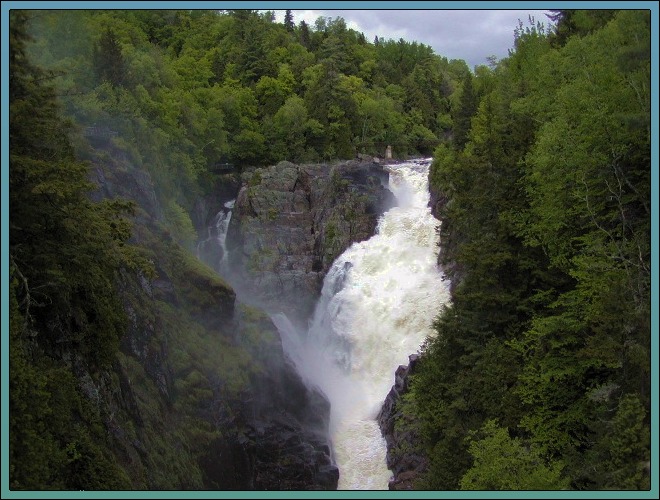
(191, 90)
(539, 375)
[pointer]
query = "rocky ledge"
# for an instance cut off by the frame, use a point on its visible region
(290, 222)
(403, 460)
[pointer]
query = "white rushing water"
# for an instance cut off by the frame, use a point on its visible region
(217, 235)
(377, 306)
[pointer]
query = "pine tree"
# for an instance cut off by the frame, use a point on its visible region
(64, 253)
(108, 59)
(61, 243)
(466, 110)
(305, 39)
(288, 21)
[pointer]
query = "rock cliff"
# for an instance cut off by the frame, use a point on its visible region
(201, 395)
(403, 459)
(290, 222)
(438, 201)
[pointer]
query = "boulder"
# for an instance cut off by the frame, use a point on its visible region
(404, 457)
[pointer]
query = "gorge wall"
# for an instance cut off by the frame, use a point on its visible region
(405, 456)
(201, 395)
(202, 371)
(290, 222)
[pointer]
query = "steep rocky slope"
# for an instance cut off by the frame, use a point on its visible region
(201, 395)
(291, 221)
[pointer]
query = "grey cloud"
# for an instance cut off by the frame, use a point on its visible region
(471, 35)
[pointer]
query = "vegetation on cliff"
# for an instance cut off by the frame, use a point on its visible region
(539, 377)
(131, 367)
(65, 253)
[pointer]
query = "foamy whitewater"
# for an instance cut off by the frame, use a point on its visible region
(377, 306)
(217, 234)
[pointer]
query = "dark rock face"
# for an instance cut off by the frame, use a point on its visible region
(206, 208)
(438, 202)
(290, 222)
(279, 437)
(129, 183)
(271, 428)
(405, 463)
(289, 427)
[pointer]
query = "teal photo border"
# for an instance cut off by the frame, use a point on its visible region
(320, 5)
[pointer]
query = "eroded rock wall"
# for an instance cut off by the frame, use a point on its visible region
(290, 222)
(404, 457)
(201, 395)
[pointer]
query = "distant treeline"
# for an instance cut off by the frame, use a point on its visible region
(188, 89)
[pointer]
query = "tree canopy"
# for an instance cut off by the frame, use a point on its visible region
(546, 236)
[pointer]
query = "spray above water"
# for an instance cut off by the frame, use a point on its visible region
(217, 238)
(376, 308)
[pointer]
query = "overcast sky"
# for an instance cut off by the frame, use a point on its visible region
(471, 35)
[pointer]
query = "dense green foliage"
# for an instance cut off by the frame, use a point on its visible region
(190, 89)
(544, 352)
(64, 252)
(186, 91)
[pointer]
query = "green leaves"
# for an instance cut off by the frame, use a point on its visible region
(108, 59)
(586, 212)
(467, 107)
(65, 252)
(163, 70)
(505, 463)
(629, 446)
(545, 236)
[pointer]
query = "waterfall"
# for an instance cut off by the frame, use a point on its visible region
(207, 250)
(376, 308)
